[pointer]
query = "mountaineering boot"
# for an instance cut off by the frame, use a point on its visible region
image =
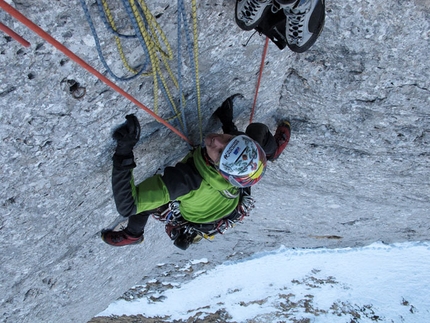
(120, 238)
(225, 114)
(249, 13)
(305, 21)
(282, 137)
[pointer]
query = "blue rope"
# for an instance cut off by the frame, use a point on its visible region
(181, 103)
(100, 53)
(143, 44)
(135, 24)
(189, 43)
(103, 17)
(166, 96)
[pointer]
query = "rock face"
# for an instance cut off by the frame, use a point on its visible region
(356, 171)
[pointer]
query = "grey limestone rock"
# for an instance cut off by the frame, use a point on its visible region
(356, 171)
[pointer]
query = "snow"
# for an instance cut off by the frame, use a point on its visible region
(379, 282)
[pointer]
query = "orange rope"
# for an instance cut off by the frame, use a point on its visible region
(263, 58)
(20, 17)
(14, 35)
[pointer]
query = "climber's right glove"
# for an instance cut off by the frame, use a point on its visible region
(126, 136)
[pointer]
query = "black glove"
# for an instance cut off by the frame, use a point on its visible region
(225, 111)
(225, 115)
(127, 135)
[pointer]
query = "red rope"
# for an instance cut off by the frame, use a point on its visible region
(20, 17)
(14, 35)
(263, 58)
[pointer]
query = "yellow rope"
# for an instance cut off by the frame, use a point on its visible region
(153, 44)
(196, 64)
(156, 42)
(164, 56)
(118, 40)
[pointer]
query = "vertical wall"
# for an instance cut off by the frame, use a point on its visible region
(357, 167)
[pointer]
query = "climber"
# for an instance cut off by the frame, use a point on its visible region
(209, 183)
(293, 23)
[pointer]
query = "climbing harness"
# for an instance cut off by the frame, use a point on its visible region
(184, 233)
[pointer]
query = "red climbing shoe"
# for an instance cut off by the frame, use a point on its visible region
(120, 238)
(282, 137)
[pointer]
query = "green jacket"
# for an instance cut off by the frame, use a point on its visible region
(204, 195)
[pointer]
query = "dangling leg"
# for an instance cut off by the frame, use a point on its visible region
(136, 224)
(261, 134)
(282, 137)
(133, 233)
(272, 145)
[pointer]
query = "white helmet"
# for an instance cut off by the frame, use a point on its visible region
(243, 162)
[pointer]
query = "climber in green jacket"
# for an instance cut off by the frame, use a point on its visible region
(211, 183)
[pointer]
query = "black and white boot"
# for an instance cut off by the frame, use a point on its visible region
(305, 21)
(249, 13)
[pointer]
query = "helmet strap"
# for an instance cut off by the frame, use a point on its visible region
(207, 159)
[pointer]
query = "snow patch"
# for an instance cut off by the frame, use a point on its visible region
(377, 283)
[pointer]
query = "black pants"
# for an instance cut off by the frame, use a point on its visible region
(137, 222)
(261, 134)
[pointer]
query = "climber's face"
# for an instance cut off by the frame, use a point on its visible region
(215, 144)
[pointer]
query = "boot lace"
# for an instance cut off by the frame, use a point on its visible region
(296, 18)
(251, 9)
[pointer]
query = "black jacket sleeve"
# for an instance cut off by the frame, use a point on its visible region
(122, 181)
(182, 178)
